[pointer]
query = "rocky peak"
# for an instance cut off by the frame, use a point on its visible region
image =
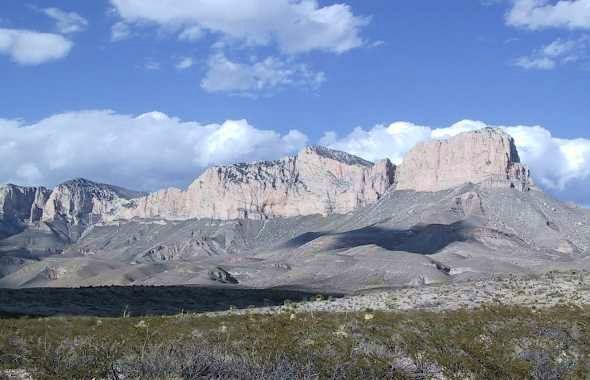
(488, 157)
(332, 154)
(99, 189)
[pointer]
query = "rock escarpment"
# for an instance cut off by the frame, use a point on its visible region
(75, 205)
(20, 206)
(316, 181)
(20, 203)
(488, 157)
(83, 202)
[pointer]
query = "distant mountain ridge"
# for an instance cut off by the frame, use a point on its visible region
(455, 209)
(317, 180)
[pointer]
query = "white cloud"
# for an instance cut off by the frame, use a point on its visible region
(379, 142)
(149, 151)
(28, 47)
(540, 14)
(559, 52)
(265, 75)
(561, 166)
(67, 22)
(120, 31)
(222, 143)
(185, 63)
(295, 26)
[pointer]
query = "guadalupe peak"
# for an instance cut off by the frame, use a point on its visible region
(487, 157)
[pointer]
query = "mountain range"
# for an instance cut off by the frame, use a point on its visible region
(453, 210)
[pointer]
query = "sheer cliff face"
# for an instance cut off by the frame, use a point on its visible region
(488, 156)
(22, 204)
(316, 181)
(83, 202)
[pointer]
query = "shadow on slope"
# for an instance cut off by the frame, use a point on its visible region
(115, 301)
(421, 239)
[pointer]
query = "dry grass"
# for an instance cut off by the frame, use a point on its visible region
(492, 343)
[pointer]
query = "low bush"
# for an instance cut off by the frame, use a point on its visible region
(497, 342)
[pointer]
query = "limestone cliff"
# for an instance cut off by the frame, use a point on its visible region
(315, 181)
(21, 203)
(20, 206)
(83, 202)
(487, 156)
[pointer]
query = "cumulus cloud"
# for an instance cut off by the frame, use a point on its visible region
(272, 73)
(559, 52)
(28, 47)
(560, 166)
(66, 22)
(146, 152)
(295, 26)
(540, 14)
(379, 142)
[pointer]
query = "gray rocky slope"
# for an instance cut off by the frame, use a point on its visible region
(322, 220)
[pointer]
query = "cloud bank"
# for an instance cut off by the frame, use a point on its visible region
(154, 150)
(146, 152)
(294, 26)
(542, 14)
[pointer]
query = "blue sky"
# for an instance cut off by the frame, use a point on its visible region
(258, 79)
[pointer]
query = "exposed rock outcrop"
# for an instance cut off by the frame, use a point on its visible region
(487, 156)
(222, 276)
(316, 181)
(83, 202)
(20, 206)
(24, 204)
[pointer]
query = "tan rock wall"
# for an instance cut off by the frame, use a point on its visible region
(316, 181)
(487, 156)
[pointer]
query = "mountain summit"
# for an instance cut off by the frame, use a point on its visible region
(487, 156)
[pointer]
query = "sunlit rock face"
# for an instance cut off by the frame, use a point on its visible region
(83, 202)
(488, 157)
(315, 181)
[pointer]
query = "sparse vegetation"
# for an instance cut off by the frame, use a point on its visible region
(494, 342)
